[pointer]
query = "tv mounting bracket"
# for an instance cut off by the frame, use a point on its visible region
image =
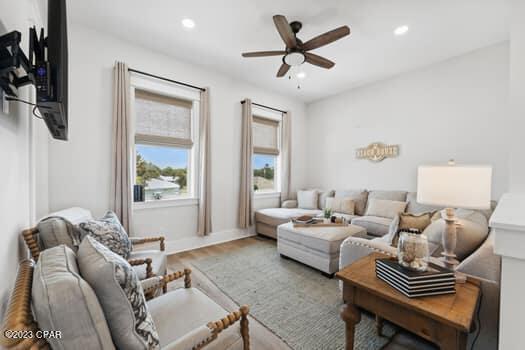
(16, 69)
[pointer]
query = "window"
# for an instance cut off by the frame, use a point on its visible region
(164, 145)
(265, 159)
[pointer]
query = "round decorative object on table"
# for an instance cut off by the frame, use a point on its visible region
(412, 250)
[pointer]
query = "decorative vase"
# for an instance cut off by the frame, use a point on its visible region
(412, 250)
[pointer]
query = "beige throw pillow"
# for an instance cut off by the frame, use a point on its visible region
(341, 205)
(307, 199)
(411, 221)
(385, 208)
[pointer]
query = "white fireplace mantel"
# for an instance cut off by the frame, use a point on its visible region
(508, 223)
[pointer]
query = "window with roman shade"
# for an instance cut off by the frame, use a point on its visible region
(266, 153)
(265, 136)
(166, 145)
(163, 119)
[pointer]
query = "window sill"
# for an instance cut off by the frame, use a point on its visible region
(165, 203)
(262, 195)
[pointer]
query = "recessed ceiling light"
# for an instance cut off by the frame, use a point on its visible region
(301, 75)
(401, 30)
(188, 23)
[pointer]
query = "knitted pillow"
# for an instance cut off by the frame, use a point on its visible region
(121, 295)
(109, 231)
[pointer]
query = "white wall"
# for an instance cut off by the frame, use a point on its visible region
(453, 109)
(23, 146)
(80, 169)
(517, 94)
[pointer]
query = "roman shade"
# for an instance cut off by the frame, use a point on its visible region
(163, 120)
(265, 136)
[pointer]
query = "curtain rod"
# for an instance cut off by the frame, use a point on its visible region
(260, 105)
(165, 79)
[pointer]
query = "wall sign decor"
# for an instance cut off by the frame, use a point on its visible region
(377, 151)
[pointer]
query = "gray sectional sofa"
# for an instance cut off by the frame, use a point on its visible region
(478, 261)
(267, 220)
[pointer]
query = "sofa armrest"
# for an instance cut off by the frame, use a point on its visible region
(483, 263)
(200, 337)
(290, 203)
(144, 240)
(355, 248)
(147, 262)
(242, 314)
(151, 285)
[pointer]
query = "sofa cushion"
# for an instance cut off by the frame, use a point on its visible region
(323, 196)
(472, 230)
(399, 196)
(307, 199)
(63, 301)
(359, 197)
(56, 230)
(385, 208)
(197, 309)
(413, 207)
(341, 205)
(375, 225)
(120, 293)
(109, 231)
(322, 239)
(159, 263)
(277, 216)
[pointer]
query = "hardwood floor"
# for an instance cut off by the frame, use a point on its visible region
(261, 338)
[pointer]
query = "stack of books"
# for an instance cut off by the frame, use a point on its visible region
(435, 281)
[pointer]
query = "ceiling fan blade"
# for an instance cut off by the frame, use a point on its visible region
(285, 31)
(326, 38)
(318, 60)
(283, 70)
(263, 53)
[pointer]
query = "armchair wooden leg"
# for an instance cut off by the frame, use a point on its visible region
(245, 331)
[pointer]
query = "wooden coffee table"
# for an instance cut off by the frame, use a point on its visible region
(444, 320)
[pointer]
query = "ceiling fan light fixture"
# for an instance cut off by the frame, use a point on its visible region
(301, 75)
(294, 59)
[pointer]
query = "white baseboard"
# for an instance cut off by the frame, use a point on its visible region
(190, 243)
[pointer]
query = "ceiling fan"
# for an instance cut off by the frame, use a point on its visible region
(296, 52)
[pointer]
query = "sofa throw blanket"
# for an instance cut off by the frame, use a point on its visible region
(109, 231)
(55, 230)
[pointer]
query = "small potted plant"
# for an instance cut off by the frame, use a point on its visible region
(327, 214)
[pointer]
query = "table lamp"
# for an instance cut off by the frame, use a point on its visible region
(454, 186)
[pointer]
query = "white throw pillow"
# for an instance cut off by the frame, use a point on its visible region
(385, 208)
(341, 205)
(307, 199)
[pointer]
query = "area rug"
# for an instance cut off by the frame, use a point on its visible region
(297, 303)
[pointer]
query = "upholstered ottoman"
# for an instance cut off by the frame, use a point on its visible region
(317, 247)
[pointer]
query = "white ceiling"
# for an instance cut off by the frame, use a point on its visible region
(438, 30)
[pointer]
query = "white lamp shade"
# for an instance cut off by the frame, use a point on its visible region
(455, 186)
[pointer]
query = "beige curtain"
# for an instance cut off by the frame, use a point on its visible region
(121, 147)
(204, 225)
(286, 156)
(246, 192)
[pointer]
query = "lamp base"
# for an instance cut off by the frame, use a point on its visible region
(449, 261)
(449, 240)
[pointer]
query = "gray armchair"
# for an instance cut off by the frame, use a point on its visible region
(146, 262)
(54, 289)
